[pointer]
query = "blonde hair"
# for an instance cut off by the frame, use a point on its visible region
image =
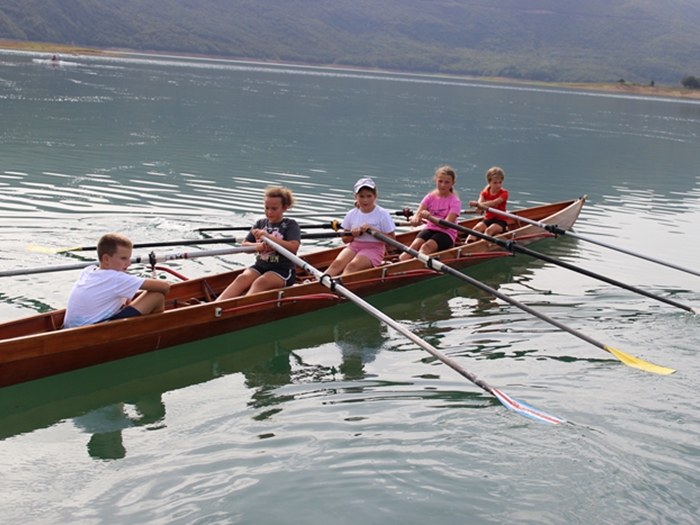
(447, 170)
(284, 194)
(110, 242)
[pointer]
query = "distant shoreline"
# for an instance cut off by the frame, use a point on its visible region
(628, 88)
(41, 47)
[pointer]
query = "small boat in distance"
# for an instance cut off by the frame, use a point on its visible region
(38, 346)
(55, 61)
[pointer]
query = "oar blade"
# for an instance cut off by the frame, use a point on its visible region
(41, 249)
(635, 362)
(526, 410)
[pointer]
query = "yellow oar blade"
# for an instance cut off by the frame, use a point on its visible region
(638, 363)
(41, 249)
(53, 250)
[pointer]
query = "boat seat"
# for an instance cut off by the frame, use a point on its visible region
(179, 303)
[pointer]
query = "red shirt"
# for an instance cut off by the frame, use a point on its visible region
(487, 196)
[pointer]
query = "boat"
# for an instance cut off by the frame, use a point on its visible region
(57, 62)
(38, 346)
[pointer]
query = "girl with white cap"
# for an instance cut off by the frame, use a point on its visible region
(363, 250)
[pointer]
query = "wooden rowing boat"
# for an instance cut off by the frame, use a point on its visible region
(37, 346)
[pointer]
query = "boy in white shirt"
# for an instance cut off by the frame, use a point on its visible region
(104, 292)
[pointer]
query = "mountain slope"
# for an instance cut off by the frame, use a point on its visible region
(561, 40)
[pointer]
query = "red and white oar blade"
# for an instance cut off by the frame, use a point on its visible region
(526, 410)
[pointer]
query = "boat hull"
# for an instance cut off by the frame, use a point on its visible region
(37, 347)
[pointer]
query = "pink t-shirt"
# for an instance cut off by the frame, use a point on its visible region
(441, 207)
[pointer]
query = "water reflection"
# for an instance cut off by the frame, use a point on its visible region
(359, 340)
(106, 425)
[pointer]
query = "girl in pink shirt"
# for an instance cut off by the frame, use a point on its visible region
(441, 203)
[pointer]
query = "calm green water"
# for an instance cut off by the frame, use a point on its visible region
(331, 417)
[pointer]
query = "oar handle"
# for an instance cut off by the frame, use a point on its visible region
(406, 212)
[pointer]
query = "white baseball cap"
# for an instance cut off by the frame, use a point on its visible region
(365, 183)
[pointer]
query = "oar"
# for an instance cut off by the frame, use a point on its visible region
(333, 225)
(134, 260)
(512, 404)
(436, 265)
(512, 246)
(406, 212)
(181, 242)
(325, 235)
(560, 231)
(153, 259)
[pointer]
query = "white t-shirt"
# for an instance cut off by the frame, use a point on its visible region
(98, 295)
(378, 219)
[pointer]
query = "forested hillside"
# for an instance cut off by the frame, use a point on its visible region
(558, 40)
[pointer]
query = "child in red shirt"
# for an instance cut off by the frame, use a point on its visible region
(493, 196)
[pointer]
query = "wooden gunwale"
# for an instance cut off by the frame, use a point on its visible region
(34, 347)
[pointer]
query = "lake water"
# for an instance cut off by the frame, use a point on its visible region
(332, 418)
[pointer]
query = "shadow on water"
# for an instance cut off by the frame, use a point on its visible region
(106, 399)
